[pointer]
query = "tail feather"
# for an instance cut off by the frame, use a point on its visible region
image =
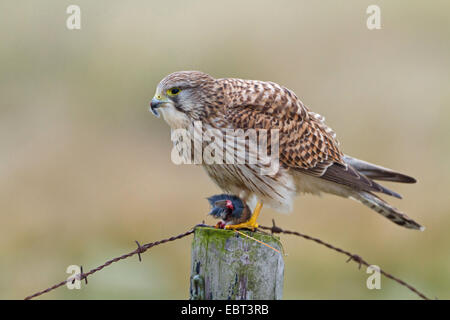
(386, 210)
(376, 172)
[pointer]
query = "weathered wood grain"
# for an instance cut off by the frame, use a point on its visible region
(228, 266)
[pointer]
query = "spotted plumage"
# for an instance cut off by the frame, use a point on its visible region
(310, 159)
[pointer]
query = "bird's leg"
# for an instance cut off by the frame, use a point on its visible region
(249, 224)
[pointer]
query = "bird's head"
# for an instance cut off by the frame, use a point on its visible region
(183, 97)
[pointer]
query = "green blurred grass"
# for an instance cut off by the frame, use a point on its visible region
(85, 169)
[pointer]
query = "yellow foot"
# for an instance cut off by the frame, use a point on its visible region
(246, 225)
(249, 224)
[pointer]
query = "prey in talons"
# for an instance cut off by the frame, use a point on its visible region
(233, 212)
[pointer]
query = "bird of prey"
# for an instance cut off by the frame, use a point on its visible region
(230, 209)
(310, 159)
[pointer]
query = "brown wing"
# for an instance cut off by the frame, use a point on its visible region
(306, 143)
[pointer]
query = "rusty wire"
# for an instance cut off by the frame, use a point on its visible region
(138, 251)
(352, 257)
(274, 229)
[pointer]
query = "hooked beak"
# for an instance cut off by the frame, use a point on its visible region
(155, 104)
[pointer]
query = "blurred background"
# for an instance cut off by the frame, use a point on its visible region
(85, 169)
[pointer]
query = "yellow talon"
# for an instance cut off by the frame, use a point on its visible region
(251, 223)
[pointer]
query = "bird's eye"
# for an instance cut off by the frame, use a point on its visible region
(173, 91)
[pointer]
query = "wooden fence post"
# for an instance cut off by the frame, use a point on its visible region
(226, 265)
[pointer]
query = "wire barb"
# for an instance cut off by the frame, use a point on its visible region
(82, 275)
(274, 228)
(357, 259)
(139, 250)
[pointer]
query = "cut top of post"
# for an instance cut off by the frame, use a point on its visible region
(237, 265)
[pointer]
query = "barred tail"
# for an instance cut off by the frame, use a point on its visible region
(385, 209)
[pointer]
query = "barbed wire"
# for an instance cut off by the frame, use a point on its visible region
(274, 229)
(352, 257)
(138, 251)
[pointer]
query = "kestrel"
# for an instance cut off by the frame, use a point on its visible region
(310, 159)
